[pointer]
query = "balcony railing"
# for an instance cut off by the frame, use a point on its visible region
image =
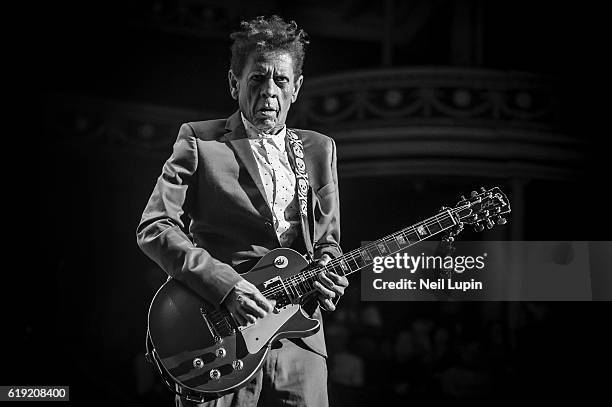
(441, 121)
(436, 121)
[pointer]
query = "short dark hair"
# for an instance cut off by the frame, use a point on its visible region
(268, 34)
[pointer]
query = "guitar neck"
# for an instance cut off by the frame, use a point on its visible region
(301, 284)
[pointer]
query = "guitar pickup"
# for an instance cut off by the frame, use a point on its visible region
(278, 291)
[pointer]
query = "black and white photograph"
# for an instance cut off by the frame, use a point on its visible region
(308, 203)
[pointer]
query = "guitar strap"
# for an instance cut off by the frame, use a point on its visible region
(296, 158)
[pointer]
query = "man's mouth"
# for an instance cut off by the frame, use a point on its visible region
(267, 111)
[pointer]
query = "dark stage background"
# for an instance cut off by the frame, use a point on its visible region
(458, 94)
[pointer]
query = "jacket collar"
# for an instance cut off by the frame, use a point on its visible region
(239, 141)
(234, 126)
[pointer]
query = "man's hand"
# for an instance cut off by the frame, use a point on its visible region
(247, 303)
(330, 285)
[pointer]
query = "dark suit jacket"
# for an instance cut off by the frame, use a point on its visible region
(212, 175)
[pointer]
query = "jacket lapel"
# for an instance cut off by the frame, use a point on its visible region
(240, 143)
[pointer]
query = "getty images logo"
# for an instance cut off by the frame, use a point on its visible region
(458, 264)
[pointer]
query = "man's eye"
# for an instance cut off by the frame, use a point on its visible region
(282, 79)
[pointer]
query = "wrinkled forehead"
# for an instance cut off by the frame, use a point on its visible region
(281, 61)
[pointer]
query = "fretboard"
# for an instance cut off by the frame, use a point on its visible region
(301, 284)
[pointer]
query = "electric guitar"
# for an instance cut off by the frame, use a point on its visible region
(202, 353)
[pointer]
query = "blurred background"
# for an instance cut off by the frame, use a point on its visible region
(427, 100)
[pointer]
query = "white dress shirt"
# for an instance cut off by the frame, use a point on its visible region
(278, 180)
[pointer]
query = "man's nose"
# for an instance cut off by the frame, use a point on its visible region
(269, 88)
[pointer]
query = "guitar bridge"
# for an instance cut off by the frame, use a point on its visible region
(211, 329)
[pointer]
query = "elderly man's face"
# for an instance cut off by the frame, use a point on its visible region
(266, 89)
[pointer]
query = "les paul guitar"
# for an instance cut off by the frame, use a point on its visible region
(202, 353)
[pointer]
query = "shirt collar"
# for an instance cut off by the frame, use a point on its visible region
(255, 134)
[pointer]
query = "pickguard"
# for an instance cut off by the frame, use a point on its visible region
(259, 334)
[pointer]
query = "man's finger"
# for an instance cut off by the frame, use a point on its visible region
(324, 290)
(325, 258)
(329, 305)
(325, 280)
(343, 281)
(337, 288)
(263, 302)
(252, 308)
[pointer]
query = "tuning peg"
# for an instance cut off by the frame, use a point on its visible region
(501, 220)
(479, 227)
(483, 189)
(463, 198)
(473, 194)
(490, 224)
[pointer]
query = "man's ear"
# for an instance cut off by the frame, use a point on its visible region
(297, 86)
(234, 84)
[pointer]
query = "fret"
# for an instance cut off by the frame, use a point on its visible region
(382, 248)
(365, 255)
(410, 239)
(342, 272)
(433, 228)
(299, 284)
(392, 244)
(361, 260)
(289, 289)
(401, 239)
(343, 266)
(429, 233)
(308, 283)
(295, 285)
(447, 222)
(352, 259)
(376, 251)
(412, 236)
(335, 268)
(439, 224)
(372, 251)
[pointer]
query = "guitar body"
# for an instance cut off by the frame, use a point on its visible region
(202, 349)
(198, 347)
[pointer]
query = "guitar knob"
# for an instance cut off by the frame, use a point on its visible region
(281, 262)
(238, 364)
(490, 224)
(479, 227)
(215, 374)
(501, 220)
(198, 363)
(220, 353)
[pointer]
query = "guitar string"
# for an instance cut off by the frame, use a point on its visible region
(335, 262)
(356, 253)
(352, 254)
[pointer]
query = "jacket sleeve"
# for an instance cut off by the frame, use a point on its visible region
(329, 218)
(161, 235)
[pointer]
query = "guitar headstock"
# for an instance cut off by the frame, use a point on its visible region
(484, 208)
